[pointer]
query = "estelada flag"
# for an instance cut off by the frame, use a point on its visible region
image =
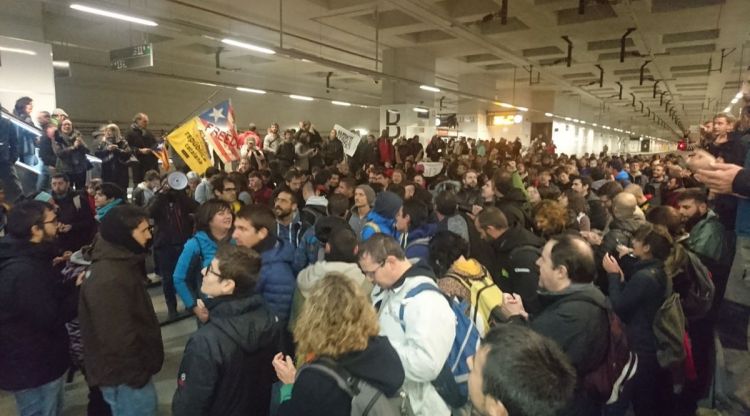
(221, 133)
(188, 142)
(163, 155)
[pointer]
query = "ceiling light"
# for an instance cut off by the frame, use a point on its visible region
(252, 90)
(735, 100)
(727, 110)
(341, 103)
(505, 105)
(421, 110)
(517, 118)
(524, 109)
(362, 106)
(437, 121)
(429, 88)
(549, 115)
(738, 95)
(568, 119)
(118, 16)
(17, 50)
(392, 111)
(583, 122)
(300, 97)
(594, 124)
(61, 64)
(208, 84)
(575, 120)
(249, 46)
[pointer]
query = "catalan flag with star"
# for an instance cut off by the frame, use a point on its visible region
(221, 132)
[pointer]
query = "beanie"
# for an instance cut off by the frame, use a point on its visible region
(114, 228)
(369, 193)
(387, 204)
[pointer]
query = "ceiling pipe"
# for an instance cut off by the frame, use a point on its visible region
(601, 75)
(570, 51)
(622, 43)
(643, 70)
(655, 84)
(661, 99)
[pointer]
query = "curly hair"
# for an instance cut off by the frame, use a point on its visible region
(336, 319)
(554, 213)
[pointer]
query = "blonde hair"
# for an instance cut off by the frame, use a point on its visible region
(114, 128)
(337, 318)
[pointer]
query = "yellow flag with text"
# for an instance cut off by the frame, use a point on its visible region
(189, 143)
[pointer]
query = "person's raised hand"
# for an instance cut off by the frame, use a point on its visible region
(611, 266)
(623, 250)
(284, 366)
(200, 311)
(512, 305)
(719, 177)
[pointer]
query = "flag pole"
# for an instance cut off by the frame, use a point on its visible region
(193, 113)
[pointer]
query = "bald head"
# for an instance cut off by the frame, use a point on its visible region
(575, 254)
(624, 204)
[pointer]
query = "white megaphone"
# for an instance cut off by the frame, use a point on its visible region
(177, 180)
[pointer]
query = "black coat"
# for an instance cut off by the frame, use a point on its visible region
(333, 152)
(514, 267)
(317, 394)
(47, 152)
(139, 139)
(34, 307)
(226, 368)
(73, 209)
(172, 215)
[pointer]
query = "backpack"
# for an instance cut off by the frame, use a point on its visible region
(485, 299)
(669, 329)
(366, 399)
(695, 286)
(452, 382)
(607, 381)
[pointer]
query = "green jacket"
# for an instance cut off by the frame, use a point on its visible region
(707, 238)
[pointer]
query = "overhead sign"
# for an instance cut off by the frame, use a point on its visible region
(132, 57)
(348, 139)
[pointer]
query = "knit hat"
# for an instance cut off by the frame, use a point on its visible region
(114, 229)
(59, 112)
(387, 204)
(369, 193)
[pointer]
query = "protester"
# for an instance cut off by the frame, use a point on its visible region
(142, 143)
(76, 222)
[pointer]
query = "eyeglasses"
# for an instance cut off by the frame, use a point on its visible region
(210, 269)
(52, 221)
(371, 273)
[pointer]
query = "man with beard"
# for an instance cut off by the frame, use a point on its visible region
(706, 231)
(470, 193)
(34, 307)
(288, 225)
(77, 224)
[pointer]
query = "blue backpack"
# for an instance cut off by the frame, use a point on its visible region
(452, 382)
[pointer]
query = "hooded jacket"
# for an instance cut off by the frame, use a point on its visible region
(74, 210)
(317, 394)
(312, 274)
(277, 280)
(70, 159)
(620, 232)
(707, 238)
(201, 244)
(225, 370)
(120, 332)
(34, 307)
(172, 217)
(416, 242)
(381, 225)
(514, 267)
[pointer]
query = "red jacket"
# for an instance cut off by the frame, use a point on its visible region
(386, 150)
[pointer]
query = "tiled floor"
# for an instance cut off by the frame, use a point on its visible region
(174, 335)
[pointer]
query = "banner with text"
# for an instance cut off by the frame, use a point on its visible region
(348, 139)
(189, 143)
(220, 131)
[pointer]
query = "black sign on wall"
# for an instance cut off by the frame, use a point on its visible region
(645, 146)
(133, 57)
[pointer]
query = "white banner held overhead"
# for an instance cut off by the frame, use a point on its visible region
(431, 168)
(348, 139)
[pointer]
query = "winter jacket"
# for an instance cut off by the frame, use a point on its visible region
(576, 320)
(515, 206)
(225, 369)
(47, 151)
(376, 223)
(597, 212)
(277, 279)
(620, 233)
(312, 274)
(34, 307)
(514, 268)
(120, 332)
(203, 245)
(73, 209)
(70, 159)
(707, 238)
(138, 139)
(315, 393)
(114, 168)
(172, 215)
(142, 195)
(204, 191)
(636, 302)
(332, 152)
(655, 189)
(416, 242)
(357, 222)
(422, 340)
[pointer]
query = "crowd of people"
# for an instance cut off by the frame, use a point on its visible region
(511, 282)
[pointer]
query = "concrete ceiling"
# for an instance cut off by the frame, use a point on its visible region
(347, 37)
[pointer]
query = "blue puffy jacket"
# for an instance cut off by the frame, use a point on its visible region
(277, 279)
(416, 243)
(200, 244)
(382, 225)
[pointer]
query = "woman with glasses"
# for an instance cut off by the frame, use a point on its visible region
(213, 222)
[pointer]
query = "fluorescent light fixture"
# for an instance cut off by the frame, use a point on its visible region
(568, 119)
(429, 88)
(341, 103)
(420, 110)
(727, 110)
(524, 109)
(300, 97)
(517, 118)
(208, 84)
(594, 124)
(505, 105)
(549, 115)
(738, 95)
(437, 121)
(252, 90)
(575, 120)
(249, 46)
(362, 106)
(113, 15)
(735, 100)
(17, 50)
(392, 111)
(583, 122)
(61, 64)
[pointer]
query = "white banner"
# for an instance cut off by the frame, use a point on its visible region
(348, 139)
(431, 168)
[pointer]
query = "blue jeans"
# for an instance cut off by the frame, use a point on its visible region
(127, 401)
(45, 400)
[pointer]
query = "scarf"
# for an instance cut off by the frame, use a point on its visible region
(102, 211)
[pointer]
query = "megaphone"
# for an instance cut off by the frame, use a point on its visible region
(177, 180)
